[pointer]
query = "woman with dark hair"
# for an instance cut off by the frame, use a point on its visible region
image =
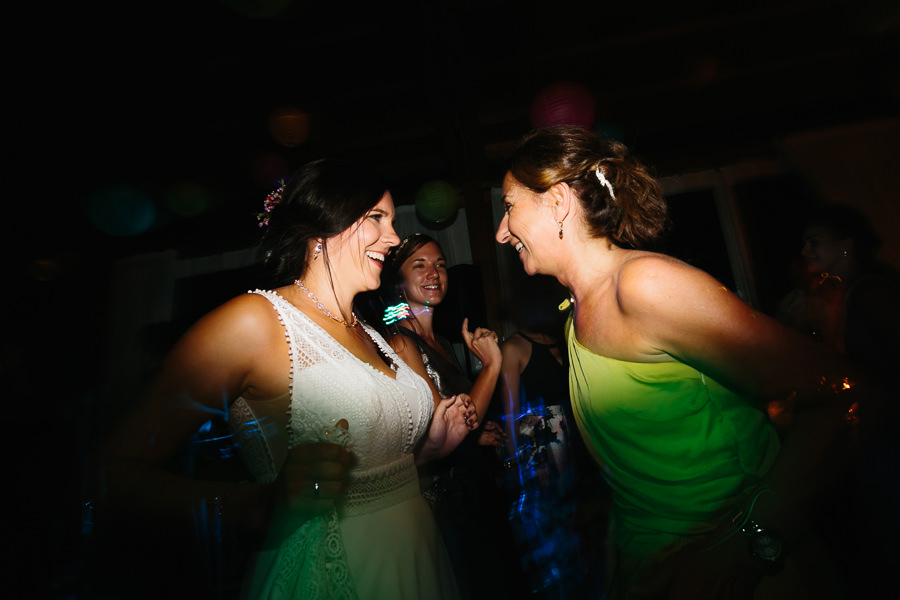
(460, 487)
(669, 375)
(328, 419)
(416, 272)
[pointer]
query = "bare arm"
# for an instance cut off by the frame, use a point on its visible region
(683, 313)
(453, 418)
(516, 351)
(238, 349)
(483, 344)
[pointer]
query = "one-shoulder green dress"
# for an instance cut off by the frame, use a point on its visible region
(680, 450)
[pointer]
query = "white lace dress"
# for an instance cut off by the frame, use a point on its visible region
(382, 541)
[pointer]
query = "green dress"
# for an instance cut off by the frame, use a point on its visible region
(680, 450)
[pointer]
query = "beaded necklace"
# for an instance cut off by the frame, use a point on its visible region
(322, 308)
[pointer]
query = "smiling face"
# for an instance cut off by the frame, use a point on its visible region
(363, 247)
(424, 276)
(527, 225)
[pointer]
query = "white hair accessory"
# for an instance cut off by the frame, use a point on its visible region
(605, 182)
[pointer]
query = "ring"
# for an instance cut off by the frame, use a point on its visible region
(316, 489)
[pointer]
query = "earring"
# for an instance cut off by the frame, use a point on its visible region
(317, 250)
(560, 223)
(845, 254)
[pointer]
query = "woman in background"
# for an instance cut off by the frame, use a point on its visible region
(552, 480)
(460, 488)
(850, 300)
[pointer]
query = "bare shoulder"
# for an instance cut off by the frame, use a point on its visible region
(649, 281)
(516, 351)
(248, 317)
(235, 338)
(515, 343)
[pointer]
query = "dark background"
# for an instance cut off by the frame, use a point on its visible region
(169, 102)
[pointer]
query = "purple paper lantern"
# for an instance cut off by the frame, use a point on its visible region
(563, 103)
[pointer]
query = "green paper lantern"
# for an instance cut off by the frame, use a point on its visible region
(436, 202)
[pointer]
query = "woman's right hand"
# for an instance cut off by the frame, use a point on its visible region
(483, 343)
(312, 480)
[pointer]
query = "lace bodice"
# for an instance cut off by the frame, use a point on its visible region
(386, 416)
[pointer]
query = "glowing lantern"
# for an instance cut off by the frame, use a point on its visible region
(563, 103)
(289, 126)
(436, 202)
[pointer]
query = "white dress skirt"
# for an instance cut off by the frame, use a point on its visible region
(381, 541)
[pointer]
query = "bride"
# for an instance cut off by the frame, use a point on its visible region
(329, 421)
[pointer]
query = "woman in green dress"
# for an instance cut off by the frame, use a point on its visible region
(670, 377)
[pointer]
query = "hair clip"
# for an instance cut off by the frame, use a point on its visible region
(605, 182)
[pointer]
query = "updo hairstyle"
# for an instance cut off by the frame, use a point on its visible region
(635, 219)
(321, 200)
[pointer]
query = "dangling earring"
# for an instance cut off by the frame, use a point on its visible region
(560, 223)
(317, 250)
(845, 254)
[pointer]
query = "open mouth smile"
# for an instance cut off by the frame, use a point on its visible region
(376, 256)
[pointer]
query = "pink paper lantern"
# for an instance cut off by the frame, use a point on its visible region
(563, 103)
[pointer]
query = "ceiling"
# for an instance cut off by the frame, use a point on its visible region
(166, 92)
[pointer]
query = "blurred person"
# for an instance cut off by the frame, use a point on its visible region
(549, 470)
(669, 376)
(328, 419)
(848, 299)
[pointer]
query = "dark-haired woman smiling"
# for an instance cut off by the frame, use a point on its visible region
(329, 420)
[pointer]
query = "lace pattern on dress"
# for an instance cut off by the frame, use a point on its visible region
(329, 384)
(251, 442)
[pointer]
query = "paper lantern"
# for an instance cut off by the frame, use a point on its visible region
(121, 210)
(289, 126)
(436, 202)
(563, 103)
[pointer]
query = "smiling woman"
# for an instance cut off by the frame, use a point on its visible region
(669, 376)
(329, 421)
(460, 488)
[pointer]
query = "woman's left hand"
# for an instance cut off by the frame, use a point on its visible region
(452, 421)
(483, 343)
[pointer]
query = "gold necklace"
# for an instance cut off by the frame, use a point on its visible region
(321, 306)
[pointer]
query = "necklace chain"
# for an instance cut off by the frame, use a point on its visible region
(322, 308)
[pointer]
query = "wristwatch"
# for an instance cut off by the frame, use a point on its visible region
(764, 544)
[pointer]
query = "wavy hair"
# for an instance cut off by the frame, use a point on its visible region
(635, 218)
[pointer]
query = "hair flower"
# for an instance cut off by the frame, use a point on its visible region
(271, 201)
